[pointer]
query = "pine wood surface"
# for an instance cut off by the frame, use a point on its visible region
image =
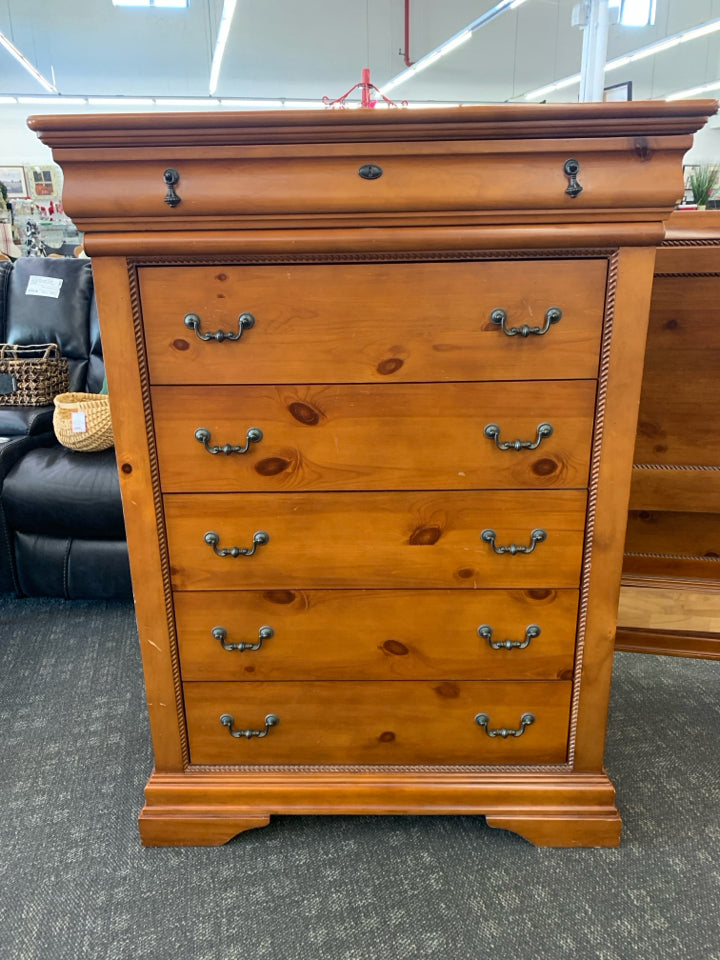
(254, 209)
(666, 532)
(348, 437)
(378, 722)
(377, 634)
(675, 488)
(341, 323)
(679, 422)
(406, 539)
(673, 527)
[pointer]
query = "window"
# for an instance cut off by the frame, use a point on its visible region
(635, 13)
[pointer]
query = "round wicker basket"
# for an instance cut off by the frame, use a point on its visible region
(95, 418)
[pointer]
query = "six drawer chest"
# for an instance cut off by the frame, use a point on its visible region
(374, 378)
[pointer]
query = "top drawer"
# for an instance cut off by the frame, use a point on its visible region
(373, 322)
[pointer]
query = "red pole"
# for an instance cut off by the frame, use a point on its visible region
(408, 61)
(365, 83)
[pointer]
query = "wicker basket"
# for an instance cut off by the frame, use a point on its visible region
(35, 373)
(82, 421)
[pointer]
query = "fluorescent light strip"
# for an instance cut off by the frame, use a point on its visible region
(712, 26)
(24, 62)
(75, 100)
(228, 12)
(121, 101)
(694, 91)
(462, 36)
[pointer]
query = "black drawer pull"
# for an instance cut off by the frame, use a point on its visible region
(536, 536)
(370, 171)
(254, 435)
(264, 633)
(227, 720)
(486, 632)
(499, 316)
(246, 321)
(492, 432)
(483, 720)
(213, 539)
(171, 178)
(571, 169)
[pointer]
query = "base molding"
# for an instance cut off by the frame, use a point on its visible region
(553, 809)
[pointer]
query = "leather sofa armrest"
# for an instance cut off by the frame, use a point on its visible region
(13, 448)
(25, 421)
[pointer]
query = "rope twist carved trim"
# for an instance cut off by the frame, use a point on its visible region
(157, 502)
(675, 466)
(610, 296)
(427, 256)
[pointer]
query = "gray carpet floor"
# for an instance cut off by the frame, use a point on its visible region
(75, 884)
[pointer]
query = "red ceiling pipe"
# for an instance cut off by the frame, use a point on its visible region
(408, 61)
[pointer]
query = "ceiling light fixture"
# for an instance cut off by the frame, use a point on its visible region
(694, 91)
(452, 44)
(228, 12)
(71, 100)
(712, 26)
(179, 4)
(23, 61)
(120, 101)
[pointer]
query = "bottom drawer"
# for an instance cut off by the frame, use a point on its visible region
(378, 722)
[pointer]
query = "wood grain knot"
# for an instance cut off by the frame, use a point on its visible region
(279, 596)
(181, 344)
(391, 365)
(466, 572)
(271, 466)
(126, 468)
(672, 324)
(396, 648)
(642, 148)
(386, 737)
(425, 536)
(450, 691)
(538, 593)
(660, 448)
(304, 413)
(544, 467)
(649, 429)
(221, 276)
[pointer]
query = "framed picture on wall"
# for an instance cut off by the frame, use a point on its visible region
(14, 180)
(43, 182)
(618, 92)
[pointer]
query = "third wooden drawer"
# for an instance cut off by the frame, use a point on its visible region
(402, 539)
(376, 634)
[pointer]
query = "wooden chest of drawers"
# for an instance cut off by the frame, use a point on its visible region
(375, 439)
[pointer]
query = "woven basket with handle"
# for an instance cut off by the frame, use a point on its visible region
(33, 374)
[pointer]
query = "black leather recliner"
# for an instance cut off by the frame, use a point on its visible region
(61, 525)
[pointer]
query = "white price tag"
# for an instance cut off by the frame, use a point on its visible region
(78, 422)
(44, 287)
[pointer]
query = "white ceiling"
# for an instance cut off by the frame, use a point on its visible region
(307, 49)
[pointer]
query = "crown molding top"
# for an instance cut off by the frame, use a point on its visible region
(506, 121)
